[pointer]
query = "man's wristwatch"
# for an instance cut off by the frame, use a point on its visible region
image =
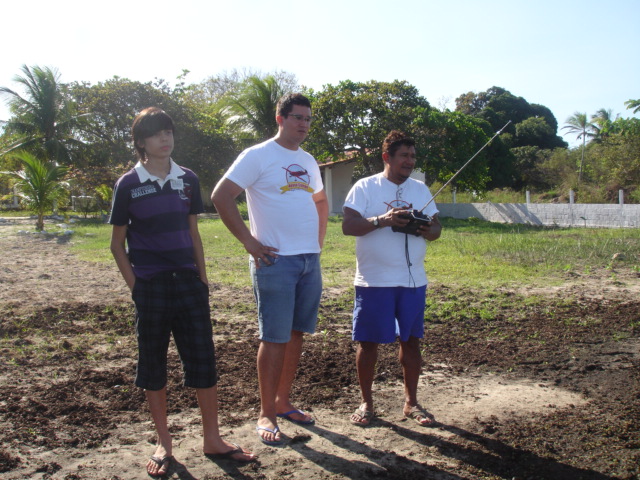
(376, 222)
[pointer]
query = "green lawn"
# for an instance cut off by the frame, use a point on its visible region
(470, 253)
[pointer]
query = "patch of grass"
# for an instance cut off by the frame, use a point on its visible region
(470, 253)
(91, 240)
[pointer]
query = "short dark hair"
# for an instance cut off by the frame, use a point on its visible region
(286, 103)
(147, 123)
(395, 140)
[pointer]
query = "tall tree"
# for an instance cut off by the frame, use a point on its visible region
(635, 104)
(497, 106)
(535, 131)
(579, 125)
(472, 103)
(203, 143)
(39, 184)
(602, 123)
(445, 141)
(253, 106)
(352, 118)
(216, 88)
(114, 104)
(44, 119)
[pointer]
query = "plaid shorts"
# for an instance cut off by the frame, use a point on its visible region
(174, 303)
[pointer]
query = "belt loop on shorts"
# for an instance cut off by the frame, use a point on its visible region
(175, 274)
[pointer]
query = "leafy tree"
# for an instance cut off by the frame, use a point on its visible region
(540, 111)
(535, 132)
(104, 196)
(602, 123)
(215, 89)
(498, 106)
(40, 184)
(579, 125)
(527, 164)
(44, 120)
(635, 104)
(532, 125)
(626, 126)
(253, 107)
(618, 164)
(114, 104)
(472, 103)
(558, 169)
(445, 141)
(203, 143)
(353, 118)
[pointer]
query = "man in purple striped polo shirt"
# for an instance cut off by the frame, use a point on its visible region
(154, 214)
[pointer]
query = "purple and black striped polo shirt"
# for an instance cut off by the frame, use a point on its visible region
(157, 219)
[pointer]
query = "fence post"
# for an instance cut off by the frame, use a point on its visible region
(453, 193)
(571, 196)
(621, 196)
(528, 197)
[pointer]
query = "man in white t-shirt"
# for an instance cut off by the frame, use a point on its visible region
(390, 281)
(288, 212)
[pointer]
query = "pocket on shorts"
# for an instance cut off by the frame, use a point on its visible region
(263, 264)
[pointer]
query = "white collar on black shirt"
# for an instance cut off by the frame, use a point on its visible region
(144, 175)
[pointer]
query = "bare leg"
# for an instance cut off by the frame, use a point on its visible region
(290, 366)
(366, 358)
(411, 361)
(213, 442)
(157, 400)
(270, 362)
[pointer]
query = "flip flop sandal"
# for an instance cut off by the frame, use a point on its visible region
(287, 416)
(363, 415)
(419, 414)
(161, 462)
(229, 455)
(269, 442)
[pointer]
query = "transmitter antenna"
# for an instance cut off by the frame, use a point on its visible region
(464, 166)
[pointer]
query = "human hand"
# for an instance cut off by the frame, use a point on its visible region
(431, 230)
(260, 252)
(396, 217)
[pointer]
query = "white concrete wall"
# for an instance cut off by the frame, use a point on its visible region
(549, 214)
(337, 183)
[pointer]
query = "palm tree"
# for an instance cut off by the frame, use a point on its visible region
(43, 118)
(40, 184)
(635, 104)
(577, 123)
(254, 106)
(602, 122)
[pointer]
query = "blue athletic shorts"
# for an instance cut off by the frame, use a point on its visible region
(380, 314)
(178, 303)
(287, 293)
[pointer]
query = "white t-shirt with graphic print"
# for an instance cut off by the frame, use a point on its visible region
(382, 254)
(279, 184)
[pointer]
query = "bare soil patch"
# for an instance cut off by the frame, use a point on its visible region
(547, 390)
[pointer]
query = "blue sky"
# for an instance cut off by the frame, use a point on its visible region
(568, 55)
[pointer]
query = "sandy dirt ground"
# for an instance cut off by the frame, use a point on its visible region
(564, 408)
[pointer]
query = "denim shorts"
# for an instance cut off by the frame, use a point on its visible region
(287, 293)
(174, 303)
(380, 314)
